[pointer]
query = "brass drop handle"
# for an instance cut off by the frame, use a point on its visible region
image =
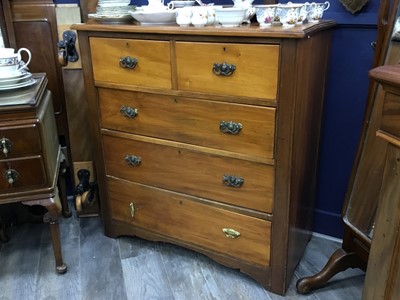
(128, 111)
(11, 176)
(132, 209)
(223, 69)
(133, 160)
(232, 180)
(230, 127)
(231, 233)
(128, 62)
(5, 145)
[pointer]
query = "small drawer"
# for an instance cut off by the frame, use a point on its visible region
(24, 173)
(243, 129)
(390, 122)
(133, 62)
(19, 141)
(234, 181)
(228, 69)
(173, 215)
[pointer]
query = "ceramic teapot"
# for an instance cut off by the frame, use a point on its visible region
(245, 4)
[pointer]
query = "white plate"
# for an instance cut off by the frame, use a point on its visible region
(157, 17)
(12, 75)
(18, 85)
(10, 81)
(121, 18)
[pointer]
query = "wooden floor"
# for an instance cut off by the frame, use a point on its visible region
(131, 268)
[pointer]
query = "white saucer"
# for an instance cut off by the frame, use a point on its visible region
(10, 81)
(13, 75)
(18, 85)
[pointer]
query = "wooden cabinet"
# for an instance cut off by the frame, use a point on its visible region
(30, 154)
(385, 245)
(208, 138)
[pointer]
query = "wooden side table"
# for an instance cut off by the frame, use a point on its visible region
(383, 271)
(30, 155)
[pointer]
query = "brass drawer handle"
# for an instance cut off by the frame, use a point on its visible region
(11, 176)
(5, 145)
(230, 127)
(231, 233)
(132, 209)
(232, 180)
(128, 62)
(223, 69)
(128, 111)
(133, 160)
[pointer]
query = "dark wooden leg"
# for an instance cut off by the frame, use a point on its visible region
(63, 188)
(338, 262)
(51, 217)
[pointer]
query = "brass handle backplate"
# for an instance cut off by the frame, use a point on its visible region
(128, 62)
(133, 160)
(232, 180)
(132, 209)
(128, 111)
(231, 233)
(230, 127)
(11, 176)
(223, 69)
(5, 145)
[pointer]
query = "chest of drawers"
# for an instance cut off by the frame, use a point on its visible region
(208, 138)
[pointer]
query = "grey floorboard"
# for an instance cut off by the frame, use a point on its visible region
(132, 268)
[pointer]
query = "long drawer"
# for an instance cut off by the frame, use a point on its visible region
(207, 67)
(236, 128)
(234, 181)
(176, 216)
(113, 62)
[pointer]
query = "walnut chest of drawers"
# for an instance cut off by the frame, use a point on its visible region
(208, 138)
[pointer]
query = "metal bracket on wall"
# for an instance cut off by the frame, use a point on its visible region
(66, 48)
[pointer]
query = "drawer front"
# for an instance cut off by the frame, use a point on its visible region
(175, 216)
(255, 74)
(191, 172)
(19, 140)
(153, 68)
(26, 173)
(390, 122)
(245, 129)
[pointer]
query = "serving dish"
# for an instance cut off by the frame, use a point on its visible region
(147, 17)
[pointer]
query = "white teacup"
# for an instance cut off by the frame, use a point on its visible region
(183, 16)
(316, 12)
(199, 16)
(11, 62)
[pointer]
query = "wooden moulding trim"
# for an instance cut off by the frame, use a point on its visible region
(388, 137)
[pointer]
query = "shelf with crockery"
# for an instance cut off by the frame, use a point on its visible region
(199, 14)
(14, 70)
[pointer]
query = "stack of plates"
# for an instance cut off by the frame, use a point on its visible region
(113, 11)
(16, 80)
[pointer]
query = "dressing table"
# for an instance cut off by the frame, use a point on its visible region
(30, 154)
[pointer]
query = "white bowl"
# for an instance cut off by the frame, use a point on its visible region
(154, 17)
(230, 16)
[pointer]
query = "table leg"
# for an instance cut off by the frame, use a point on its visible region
(53, 206)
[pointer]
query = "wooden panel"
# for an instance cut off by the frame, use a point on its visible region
(191, 172)
(31, 174)
(186, 220)
(390, 122)
(383, 272)
(153, 68)
(191, 121)
(250, 79)
(25, 140)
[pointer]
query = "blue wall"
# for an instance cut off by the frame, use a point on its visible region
(346, 95)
